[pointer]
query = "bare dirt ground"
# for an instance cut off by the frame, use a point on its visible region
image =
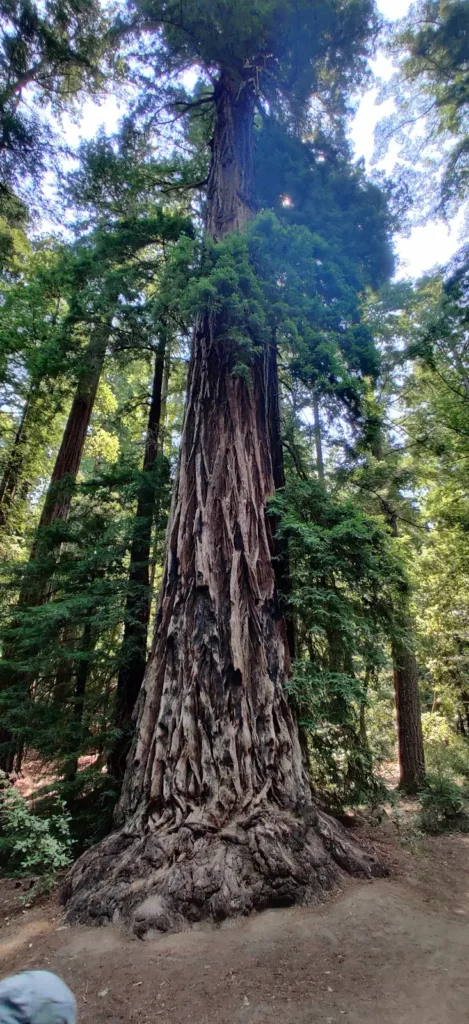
(387, 952)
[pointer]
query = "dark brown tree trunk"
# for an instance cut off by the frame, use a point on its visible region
(407, 692)
(318, 439)
(67, 463)
(409, 721)
(12, 475)
(78, 709)
(363, 735)
(137, 613)
(164, 401)
(216, 810)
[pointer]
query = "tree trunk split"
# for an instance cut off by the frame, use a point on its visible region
(216, 817)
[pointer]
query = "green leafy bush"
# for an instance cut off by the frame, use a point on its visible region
(344, 578)
(31, 846)
(442, 804)
(445, 750)
(326, 705)
(445, 795)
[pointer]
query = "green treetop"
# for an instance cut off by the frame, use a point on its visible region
(431, 92)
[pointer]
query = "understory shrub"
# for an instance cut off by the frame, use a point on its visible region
(443, 804)
(445, 796)
(32, 845)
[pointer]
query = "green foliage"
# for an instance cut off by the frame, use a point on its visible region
(442, 804)
(344, 576)
(32, 845)
(49, 53)
(431, 90)
(327, 705)
(292, 52)
(445, 797)
(70, 645)
(314, 184)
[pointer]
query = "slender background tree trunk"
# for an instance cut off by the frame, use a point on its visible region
(318, 439)
(67, 463)
(409, 720)
(408, 709)
(13, 469)
(137, 613)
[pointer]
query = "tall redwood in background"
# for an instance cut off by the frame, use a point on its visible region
(12, 474)
(133, 656)
(59, 493)
(407, 693)
(216, 812)
(409, 718)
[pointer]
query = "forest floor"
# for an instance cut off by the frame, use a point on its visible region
(393, 951)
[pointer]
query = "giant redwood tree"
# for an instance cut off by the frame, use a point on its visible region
(216, 816)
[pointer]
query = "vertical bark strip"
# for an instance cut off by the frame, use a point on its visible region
(230, 197)
(137, 613)
(164, 400)
(216, 810)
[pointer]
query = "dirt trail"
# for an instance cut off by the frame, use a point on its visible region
(387, 952)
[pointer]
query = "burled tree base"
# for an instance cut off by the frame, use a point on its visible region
(172, 879)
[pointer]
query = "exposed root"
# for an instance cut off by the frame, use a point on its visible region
(172, 879)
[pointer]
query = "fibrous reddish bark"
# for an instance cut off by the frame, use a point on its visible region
(216, 814)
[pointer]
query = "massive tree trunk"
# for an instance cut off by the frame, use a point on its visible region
(216, 814)
(137, 613)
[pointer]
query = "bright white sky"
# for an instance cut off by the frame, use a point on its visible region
(419, 252)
